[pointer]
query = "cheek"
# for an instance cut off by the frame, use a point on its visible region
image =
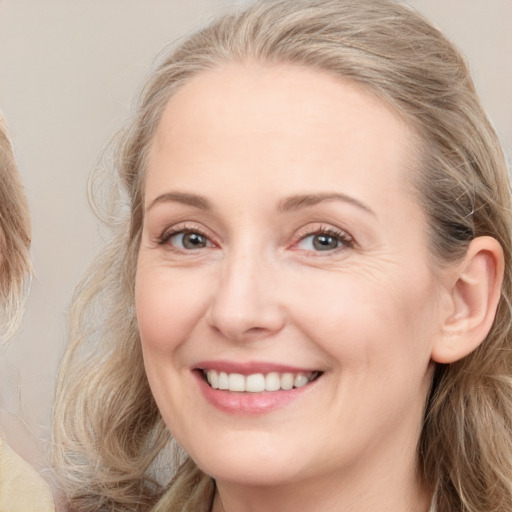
(168, 306)
(363, 319)
(167, 309)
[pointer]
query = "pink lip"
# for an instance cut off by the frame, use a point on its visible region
(249, 368)
(248, 403)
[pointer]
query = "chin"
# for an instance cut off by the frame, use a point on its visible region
(262, 474)
(250, 466)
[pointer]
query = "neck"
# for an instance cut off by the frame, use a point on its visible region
(269, 500)
(393, 491)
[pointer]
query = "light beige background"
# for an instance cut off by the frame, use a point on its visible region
(68, 73)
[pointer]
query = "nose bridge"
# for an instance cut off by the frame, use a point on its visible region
(246, 302)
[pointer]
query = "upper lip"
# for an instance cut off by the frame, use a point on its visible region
(249, 368)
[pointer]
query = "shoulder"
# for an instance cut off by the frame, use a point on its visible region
(21, 487)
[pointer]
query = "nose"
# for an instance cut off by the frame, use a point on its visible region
(245, 304)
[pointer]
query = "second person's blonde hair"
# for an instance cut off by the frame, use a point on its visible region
(15, 239)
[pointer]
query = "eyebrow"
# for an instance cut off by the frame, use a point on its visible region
(292, 203)
(306, 200)
(181, 197)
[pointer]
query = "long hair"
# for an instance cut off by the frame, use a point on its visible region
(15, 267)
(107, 429)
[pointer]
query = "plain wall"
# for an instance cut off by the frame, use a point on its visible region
(68, 72)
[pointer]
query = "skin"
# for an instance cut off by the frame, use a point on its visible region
(247, 138)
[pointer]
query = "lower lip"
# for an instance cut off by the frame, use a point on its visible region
(249, 403)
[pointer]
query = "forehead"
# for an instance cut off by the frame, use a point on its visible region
(285, 120)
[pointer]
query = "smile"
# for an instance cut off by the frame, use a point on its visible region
(258, 382)
(253, 388)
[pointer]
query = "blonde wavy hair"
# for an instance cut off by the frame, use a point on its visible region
(108, 434)
(15, 267)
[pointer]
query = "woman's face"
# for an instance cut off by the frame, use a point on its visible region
(285, 256)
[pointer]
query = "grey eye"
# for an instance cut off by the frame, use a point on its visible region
(325, 242)
(189, 240)
(320, 242)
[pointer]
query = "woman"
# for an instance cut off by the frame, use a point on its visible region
(311, 291)
(21, 488)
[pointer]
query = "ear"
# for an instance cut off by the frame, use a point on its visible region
(474, 293)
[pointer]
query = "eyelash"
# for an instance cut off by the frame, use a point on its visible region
(344, 239)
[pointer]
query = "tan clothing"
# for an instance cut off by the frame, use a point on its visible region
(21, 487)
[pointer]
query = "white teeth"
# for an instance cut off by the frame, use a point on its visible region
(300, 380)
(255, 383)
(258, 382)
(272, 382)
(213, 379)
(287, 381)
(223, 381)
(236, 382)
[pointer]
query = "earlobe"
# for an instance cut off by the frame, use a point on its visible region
(474, 295)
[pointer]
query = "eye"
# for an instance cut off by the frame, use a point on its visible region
(324, 240)
(189, 240)
(185, 239)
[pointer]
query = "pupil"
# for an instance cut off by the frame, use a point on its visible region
(193, 241)
(325, 242)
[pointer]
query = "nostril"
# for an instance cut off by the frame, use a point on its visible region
(244, 327)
